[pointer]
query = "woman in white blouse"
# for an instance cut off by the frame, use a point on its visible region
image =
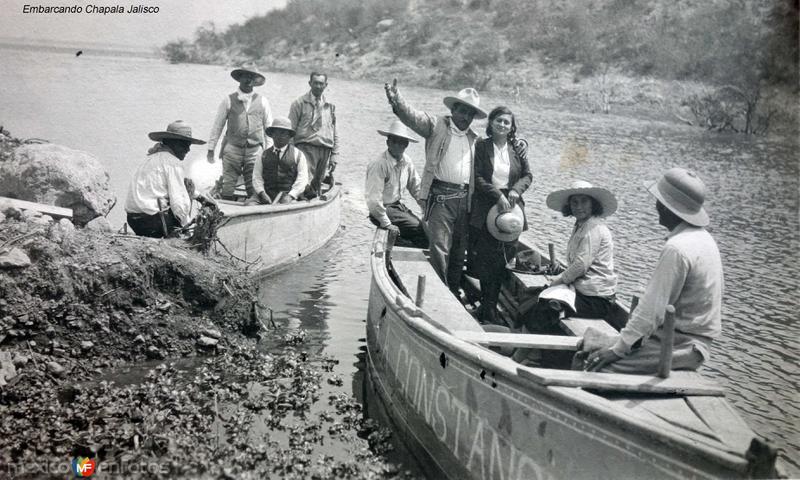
(502, 175)
(590, 250)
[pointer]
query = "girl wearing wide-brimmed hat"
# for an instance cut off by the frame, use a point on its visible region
(502, 175)
(590, 251)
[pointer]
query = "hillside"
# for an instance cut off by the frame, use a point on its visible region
(597, 53)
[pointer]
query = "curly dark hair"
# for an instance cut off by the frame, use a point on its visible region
(519, 145)
(597, 208)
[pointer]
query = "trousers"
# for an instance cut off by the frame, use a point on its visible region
(447, 216)
(317, 159)
(410, 226)
(238, 161)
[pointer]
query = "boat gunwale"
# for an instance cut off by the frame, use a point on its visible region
(588, 402)
(250, 210)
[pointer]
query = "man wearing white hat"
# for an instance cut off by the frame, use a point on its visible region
(387, 176)
(281, 173)
(448, 178)
(688, 276)
(158, 197)
(247, 115)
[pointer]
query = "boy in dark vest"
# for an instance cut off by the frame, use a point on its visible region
(281, 173)
(247, 114)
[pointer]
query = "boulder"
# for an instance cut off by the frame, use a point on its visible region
(60, 176)
(14, 258)
(99, 224)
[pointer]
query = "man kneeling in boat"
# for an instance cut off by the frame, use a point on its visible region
(688, 276)
(387, 175)
(281, 173)
(160, 196)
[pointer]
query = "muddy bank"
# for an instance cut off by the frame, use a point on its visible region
(149, 358)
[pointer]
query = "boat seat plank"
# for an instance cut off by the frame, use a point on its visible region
(519, 340)
(52, 210)
(531, 281)
(577, 326)
(673, 410)
(723, 420)
(678, 383)
(438, 302)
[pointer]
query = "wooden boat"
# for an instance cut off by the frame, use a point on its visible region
(272, 237)
(466, 411)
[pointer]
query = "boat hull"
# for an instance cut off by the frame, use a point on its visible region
(467, 414)
(272, 237)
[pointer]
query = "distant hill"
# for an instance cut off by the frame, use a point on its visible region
(518, 46)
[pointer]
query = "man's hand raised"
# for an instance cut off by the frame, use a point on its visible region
(391, 92)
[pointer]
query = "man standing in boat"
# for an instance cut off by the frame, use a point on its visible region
(280, 174)
(387, 176)
(314, 120)
(688, 276)
(448, 177)
(247, 115)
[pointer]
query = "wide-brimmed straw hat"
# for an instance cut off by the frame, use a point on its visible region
(281, 123)
(556, 200)
(178, 130)
(252, 69)
(397, 129)
(683, 193)
(506, 226)
(470, 98)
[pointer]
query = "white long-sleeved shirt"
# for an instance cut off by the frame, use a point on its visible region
(160, 176)
(386, 178)
(502, 166)
(456, 164)
(590, 259)
(300, 181)
(222, 117)
(689, 277)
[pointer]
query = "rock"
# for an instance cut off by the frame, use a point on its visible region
(61, 231)
(30, 214)
(57, 175)
(2, 217)
(207, 342)
(7, 368)
(21, 360)
(138, 339)
(14, 258)
(99, 224)
(210, 332)
(56, 369)
(86, 345)
(42, 220)
(11, 212)
(385, 24)
(154, 352)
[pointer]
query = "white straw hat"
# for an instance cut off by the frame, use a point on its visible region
(178, 130)
(397, 129)
(470, 98)
(556, 200)
(506, 226)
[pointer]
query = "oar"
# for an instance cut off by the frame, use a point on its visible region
(665, 362)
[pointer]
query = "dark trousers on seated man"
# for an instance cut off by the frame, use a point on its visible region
(150, 225)
(447, 216)
(410, 225)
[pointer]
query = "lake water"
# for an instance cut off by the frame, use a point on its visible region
(106, 106)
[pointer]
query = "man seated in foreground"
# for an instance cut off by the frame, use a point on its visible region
(280, 174)
(688, 276)
(387, 176)
(160, 196)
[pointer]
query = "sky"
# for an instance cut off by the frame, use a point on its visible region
(175, 19)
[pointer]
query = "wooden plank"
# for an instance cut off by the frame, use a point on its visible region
(529, 280)
(439, 303)
(724, 421)
(577, 326)
(679, 383)
(519, 340)
(52, 210)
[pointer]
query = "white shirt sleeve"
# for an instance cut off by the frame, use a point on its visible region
(373, 191)
(179, 200)
(219, 123)
(301, 181)
(258, 179)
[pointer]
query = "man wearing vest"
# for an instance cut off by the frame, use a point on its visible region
(448, 179)
(314, 120)
(280, 174)
(247, 115)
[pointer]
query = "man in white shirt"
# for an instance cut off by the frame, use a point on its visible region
(448, 178)
(688, 276)
(387, 176)
(280, 174)
(247, 115)
(160, 197)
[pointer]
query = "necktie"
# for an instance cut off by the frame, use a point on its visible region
(316, 117)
